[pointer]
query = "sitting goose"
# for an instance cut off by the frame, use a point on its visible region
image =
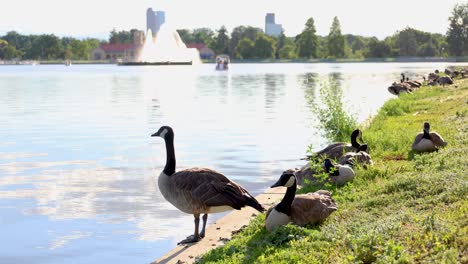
(428, 141)
(199, 190)
(303, 209)
(339, 174)
(360, 156)
(336, 150)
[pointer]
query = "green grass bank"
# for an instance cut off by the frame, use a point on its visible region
(407, 208)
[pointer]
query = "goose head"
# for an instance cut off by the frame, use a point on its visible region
(287, 179)
(363, 148)
(426, 127)
(329, 167)
(165, 132)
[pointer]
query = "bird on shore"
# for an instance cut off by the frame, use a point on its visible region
(339, 174)
(199, 190)
(427, 141)
(336, 150)
(303, 209)
(359, 156)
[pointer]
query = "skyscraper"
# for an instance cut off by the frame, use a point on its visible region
(271, 28)
(154, 20)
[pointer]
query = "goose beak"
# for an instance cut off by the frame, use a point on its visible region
(277, 184)
(155, 134)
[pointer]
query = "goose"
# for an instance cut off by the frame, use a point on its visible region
(360, 156)
(398, 88)
(199, 190)
(303, 209)
(336, 150)
(427, 141)
(339, 174)
(445, 80)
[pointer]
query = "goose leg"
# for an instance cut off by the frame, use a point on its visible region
(202, 233)
(196, 236)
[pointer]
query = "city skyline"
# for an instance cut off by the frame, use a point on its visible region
(97, 18)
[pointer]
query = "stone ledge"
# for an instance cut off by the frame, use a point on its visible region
(221, 231)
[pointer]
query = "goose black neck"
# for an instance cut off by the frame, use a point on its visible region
(426, 134)
(285, 205)
(354, 142)
(169, 169)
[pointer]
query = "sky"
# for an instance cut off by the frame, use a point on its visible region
(96, 18)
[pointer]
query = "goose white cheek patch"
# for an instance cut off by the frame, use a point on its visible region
(290, 182)
(163, 133)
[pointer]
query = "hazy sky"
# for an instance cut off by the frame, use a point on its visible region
(98, 17)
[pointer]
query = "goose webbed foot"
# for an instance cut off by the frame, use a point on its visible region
(190, 239)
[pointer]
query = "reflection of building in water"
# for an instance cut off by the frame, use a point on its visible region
(271, 28)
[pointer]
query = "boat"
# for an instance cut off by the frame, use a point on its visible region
(222, 62)
(68, 63)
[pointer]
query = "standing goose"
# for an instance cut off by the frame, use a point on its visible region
(310, 208)
(199, 190)
(336, 150)
(339, 174)
(427, 141)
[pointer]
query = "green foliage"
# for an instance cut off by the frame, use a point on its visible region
(336, 41)
(265, 47)
(336, 123)
(288, 52)
(307, 41)
(122, 37)
(245, 49)
(239, 33)
(457, 33)
(220, 44)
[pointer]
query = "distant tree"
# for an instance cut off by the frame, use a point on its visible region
(288, 51)
(239, 33)
(245, 49)
(8, 52)
(220, 44)
(185, 35)
(122, 37)
(281, 41)
(428, 49)
(378, 49)
(457, 33)
(203, 35)
(265, 47)
(336, 41)
(407, 42)
(46, 47)
(307, 41)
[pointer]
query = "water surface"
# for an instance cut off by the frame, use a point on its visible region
(78, 165)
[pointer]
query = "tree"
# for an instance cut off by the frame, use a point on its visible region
(287, 52)
(407, 43)
(307, 41)
(46, 47)
(378, 49)
(239, 33)
(336, 41)
(8, 51)
(245, 49)
(203, 35)
(457, 33)
(220, 44)
(265, 47)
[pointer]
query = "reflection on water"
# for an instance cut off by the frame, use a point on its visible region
(78, 165)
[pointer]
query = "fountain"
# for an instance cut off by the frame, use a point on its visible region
(167, 48)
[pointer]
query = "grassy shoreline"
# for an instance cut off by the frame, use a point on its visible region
(407, 208)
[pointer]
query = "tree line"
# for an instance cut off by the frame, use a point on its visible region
(247, 42)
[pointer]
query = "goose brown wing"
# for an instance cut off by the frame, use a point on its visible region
(211, 188)
(437, 139)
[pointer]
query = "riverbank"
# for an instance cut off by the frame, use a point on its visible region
(407, 208)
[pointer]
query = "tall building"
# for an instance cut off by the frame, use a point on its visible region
(271, 28)
(154, 20)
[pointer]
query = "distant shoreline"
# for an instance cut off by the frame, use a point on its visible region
(372, 60)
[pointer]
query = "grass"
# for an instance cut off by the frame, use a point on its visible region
(407, 208)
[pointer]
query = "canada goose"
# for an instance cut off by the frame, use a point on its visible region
(360, 156)
(336, 150)
(427, 141)
(445, 80)
(339, 174)
(199, 190)
(398, 88)
(310, 208)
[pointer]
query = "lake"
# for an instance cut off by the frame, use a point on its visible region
(78, 165)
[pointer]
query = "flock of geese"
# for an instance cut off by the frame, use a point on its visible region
(434, 78)
(201, 191)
